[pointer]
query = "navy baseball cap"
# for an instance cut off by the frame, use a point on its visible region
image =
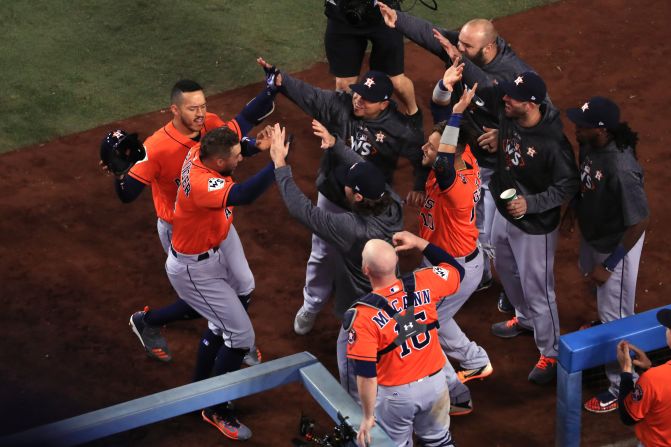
(664, 317)
(374, 86)
(597, 112)
(364, 178)
(527, 86)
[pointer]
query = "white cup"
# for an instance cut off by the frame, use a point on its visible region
(508, 195)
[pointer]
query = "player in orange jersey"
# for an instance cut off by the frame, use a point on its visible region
(448, 220)
(646, 405)
(165, 153)
(203, 253)
(393, 340)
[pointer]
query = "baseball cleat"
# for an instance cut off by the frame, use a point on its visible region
(477, 373)
(485, 283)
(304, 321)
(253, 357)
(509, 329)
(228, 425)
(504, 305)
(150, 337)
(461, 408)
(544, 371)
(603, 402)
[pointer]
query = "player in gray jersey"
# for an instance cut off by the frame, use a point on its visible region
(613, 214)
(536, 174)
(369, 124)
(488, 59)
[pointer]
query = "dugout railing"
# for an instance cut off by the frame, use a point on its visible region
(593, 347)
(302, 367)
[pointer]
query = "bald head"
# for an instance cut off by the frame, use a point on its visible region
(378, 259)
(477, 41)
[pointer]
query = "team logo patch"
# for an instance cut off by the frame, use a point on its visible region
(214, 184)
(637, 394)
(351, 336)
(379, 137)
(441, 272)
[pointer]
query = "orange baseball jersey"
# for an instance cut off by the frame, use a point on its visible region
(447, 218)
(650, 405)
(166, 150)
(374, 329)
(201, 219)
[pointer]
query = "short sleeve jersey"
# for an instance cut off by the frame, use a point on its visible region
(202, 219)
(166, 150)
(447, 218)
(373, 329)
(612, 197)
(650, 405)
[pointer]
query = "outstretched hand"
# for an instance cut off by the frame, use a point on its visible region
(452, 51)
(320, 130)
(465, 99)
(273, 75)
(388, 14)
(264, 138)
(405, 240)
(278, 147)
(453, 74)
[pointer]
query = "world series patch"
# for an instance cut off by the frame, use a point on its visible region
(637, 394)
(351, 336)
(214, 184)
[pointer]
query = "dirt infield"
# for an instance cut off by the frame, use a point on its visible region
(76, 263)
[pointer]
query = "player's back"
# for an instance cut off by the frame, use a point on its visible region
(447, 218)
(201, 221)
(420, 355)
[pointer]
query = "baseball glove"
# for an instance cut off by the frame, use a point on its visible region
(119, 151)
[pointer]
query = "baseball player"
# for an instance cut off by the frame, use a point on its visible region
(349, 27)
(647, 405)
(613, 214)
(165, 153)
(447, 219)
(488, 59)
(367, 121)
(535, 176)
(393, 342)
(376, 213)
(200, 263)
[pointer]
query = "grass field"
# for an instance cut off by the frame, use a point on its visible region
(69, 65)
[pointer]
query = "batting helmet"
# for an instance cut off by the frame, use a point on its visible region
(119, 151)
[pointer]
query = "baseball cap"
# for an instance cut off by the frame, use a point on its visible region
(597, 112)
(364, 178)
(374, 86)
(664, 317)
(527, 86)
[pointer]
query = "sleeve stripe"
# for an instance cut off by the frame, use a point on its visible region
(139, 178)
(362, 357)
(233, 124)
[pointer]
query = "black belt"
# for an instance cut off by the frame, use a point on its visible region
(468, 258)
(201, 257)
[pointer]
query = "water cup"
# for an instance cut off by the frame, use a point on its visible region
(508, 195)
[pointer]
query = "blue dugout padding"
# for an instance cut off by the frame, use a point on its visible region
(593, 347)
(157, 407)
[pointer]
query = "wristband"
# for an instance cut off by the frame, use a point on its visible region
(455, 119)
(440, 93)
(450, 136)
(611, 262)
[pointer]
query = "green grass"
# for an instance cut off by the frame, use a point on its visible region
(70, 65)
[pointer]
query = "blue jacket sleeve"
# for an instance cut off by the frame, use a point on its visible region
(248, 191)
(437, 255)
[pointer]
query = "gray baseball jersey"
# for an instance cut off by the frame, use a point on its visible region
(611, 199)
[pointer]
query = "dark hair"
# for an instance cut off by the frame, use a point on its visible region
(625, 137)
(368, 207)
(183, 86)
(218, 142)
